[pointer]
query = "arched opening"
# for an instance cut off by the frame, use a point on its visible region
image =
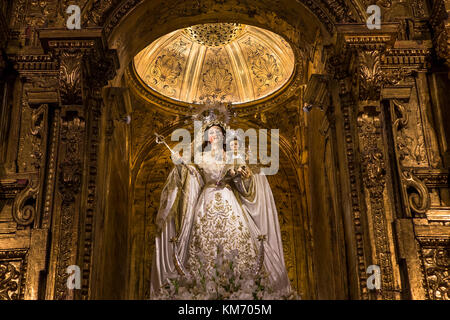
(140, 166)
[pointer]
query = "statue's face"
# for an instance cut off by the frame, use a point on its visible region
(234, 146)
(215, 135)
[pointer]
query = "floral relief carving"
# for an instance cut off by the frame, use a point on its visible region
(264, 65)
(167, 69)
(12, 274)
(217, 81)
(70, 176)
(38, 125)
(372, 155)
(409, 136)
(436, 267)
(70, 78)
(411, 148)
(9, 277)
(32, 137)
(370, 75)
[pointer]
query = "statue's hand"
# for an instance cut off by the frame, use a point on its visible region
(245, 172)
(231, 172)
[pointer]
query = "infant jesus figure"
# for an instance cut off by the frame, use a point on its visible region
(238, 168)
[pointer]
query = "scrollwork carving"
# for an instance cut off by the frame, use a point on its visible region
(402, 117)
(418, 201)
(418, 197)
(409, 140)
(24, 210)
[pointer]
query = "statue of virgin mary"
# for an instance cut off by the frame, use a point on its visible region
(215, 204)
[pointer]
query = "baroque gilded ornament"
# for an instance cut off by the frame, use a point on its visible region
(13, 267)
(370, 75)
(70, 78)
(410, 143)
(436, 266)
(215, 34)
(9, 284)
(407, 147)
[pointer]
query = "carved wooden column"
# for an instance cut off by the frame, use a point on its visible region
(440, 23)
(85, 65)
(403, 95)
(421, 160)
(357, 69)
(440, 76)
(23, 138)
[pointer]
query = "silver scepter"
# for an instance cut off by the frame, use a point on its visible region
(160, 139)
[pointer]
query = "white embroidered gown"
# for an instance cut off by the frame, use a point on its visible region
(219, 220)
(202, 211)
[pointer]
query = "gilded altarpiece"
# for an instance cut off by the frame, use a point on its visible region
(381, 175)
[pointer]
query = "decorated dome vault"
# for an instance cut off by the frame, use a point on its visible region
(227, 62)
